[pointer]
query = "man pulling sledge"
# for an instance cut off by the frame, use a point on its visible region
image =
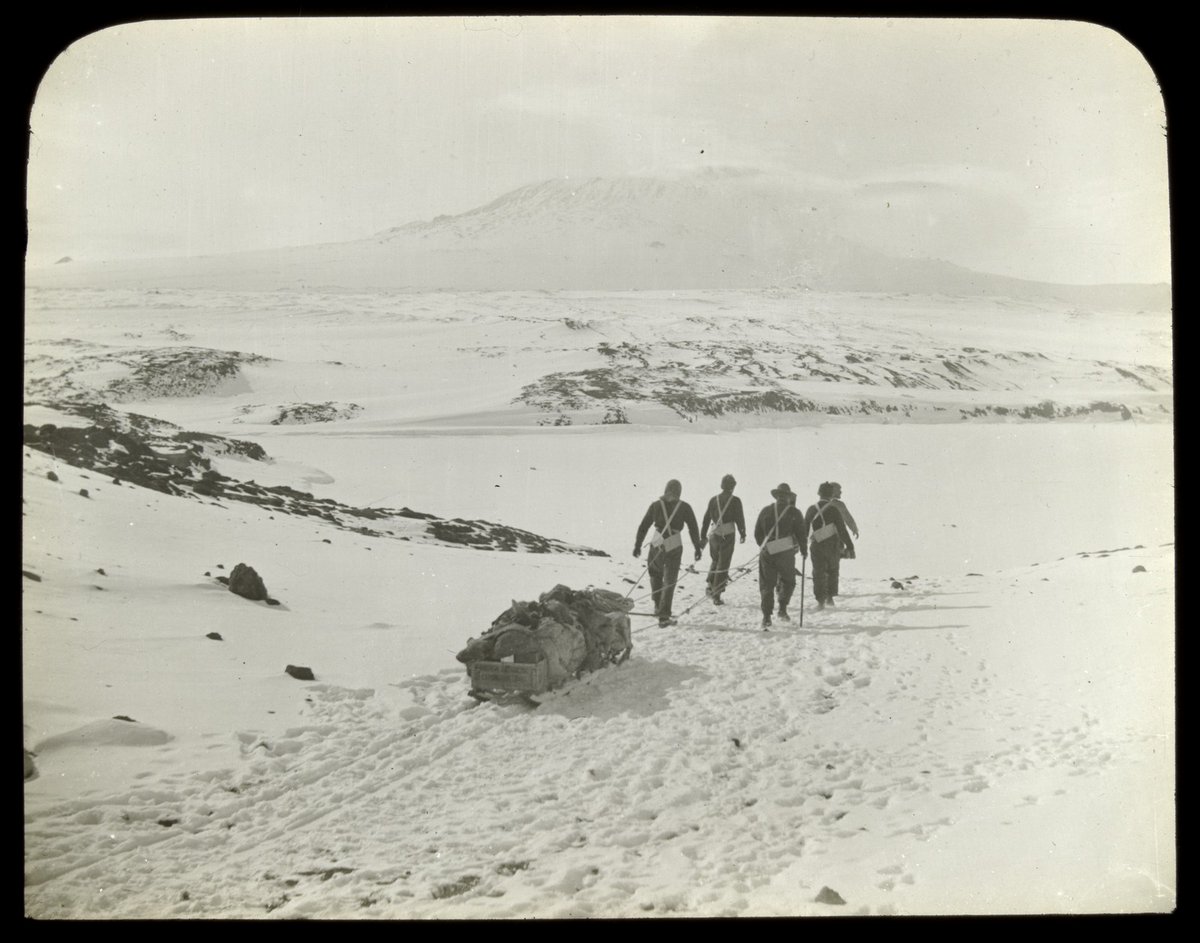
(668, 515)
(724, 513)
(780, 532)
(829, 540)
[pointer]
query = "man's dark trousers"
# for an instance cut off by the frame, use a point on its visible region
(721, 551)
(776, 568)
(826, 559)
(664, 573)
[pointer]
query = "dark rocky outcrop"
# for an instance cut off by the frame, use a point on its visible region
(698, 379)
(245, 582)
(302, 413)
(154, 454)
(300, 673)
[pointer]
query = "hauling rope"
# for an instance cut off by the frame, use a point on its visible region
(533, 647)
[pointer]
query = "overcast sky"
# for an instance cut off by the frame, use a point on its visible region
(1022, 147)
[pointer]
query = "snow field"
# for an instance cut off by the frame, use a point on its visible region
(994, 736)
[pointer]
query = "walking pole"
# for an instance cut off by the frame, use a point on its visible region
(803, 563)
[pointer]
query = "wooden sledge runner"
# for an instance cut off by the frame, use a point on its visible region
(528, 682)
(534, 648)
(507, 681)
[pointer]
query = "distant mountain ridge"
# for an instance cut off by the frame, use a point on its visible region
(710, 229)
(715, 229)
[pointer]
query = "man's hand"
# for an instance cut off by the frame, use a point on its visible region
(699, 554)
(743, 540)
(637, 552)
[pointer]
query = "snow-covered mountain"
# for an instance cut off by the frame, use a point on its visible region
(718, 228)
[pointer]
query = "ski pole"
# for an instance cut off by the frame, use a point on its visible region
(803, 564)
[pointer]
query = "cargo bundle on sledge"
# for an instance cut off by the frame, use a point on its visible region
(534, 647)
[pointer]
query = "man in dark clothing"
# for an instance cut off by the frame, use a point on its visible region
(669, 515)
(781, 532)
(829, 539)
(841, 506)
(724, 513)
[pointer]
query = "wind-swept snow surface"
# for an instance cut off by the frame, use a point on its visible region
(984, 724)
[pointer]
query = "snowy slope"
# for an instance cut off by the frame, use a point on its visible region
(984, 723)
(998, 742)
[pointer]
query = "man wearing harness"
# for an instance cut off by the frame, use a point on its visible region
(829, 539)
(841, 506)
(669, 515)
(724, 512)
(780, 532)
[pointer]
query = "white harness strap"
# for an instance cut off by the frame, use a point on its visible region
(779, 545)
(722, 528)
(825, 531)
(664, 538)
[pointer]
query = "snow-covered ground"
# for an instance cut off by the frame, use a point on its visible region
(984, 724)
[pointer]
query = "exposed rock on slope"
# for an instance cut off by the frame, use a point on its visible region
(698, 378)
(155, 454)
(147, 372)
(245, 582)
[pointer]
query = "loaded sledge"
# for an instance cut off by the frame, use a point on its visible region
(534, 647)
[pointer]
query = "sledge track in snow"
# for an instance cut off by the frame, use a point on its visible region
(373, 803)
